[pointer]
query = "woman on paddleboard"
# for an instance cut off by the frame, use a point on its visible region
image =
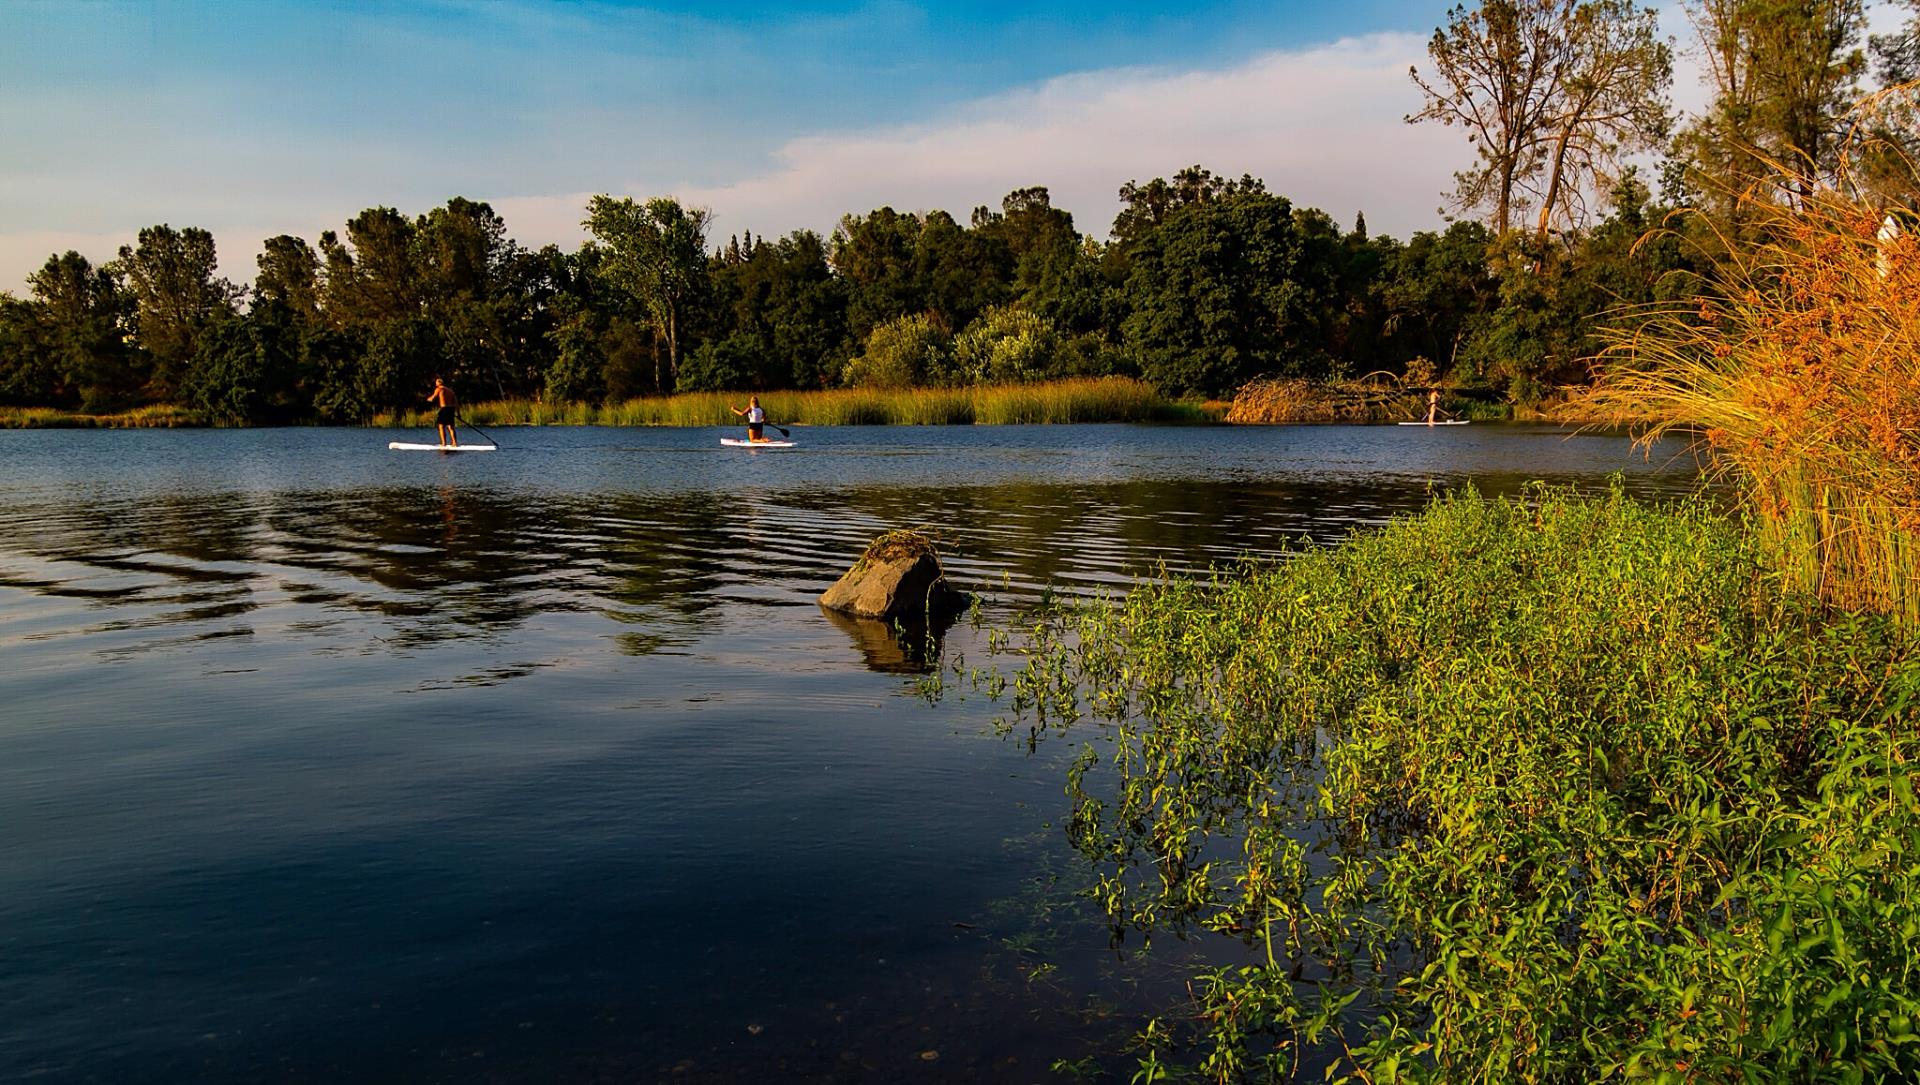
(443, 396)
(756, 418)
(1433, 404)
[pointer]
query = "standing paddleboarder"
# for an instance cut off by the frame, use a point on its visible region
(1433, 404)
(756, 419)
(444, 420)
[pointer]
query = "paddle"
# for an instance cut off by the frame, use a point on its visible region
(783, 431)
(483, 435)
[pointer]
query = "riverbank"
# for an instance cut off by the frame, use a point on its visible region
(138, 418)
(1114, 399)
(1596, 798)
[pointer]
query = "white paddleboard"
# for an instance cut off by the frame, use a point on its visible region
(408, 446)
(1456, 423)
(735, 442)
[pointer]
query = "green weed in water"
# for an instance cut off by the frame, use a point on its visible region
(1544, 790)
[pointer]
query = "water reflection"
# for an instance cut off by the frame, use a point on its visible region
(546, 765)
(906, 646)
(446, 563)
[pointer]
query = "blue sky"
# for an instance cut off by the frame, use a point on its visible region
(258, 118)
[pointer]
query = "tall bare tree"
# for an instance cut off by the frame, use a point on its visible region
(1551, 93)
(1610, 100)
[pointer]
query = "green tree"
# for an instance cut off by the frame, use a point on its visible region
(656, 252)
(1552, 297)
(1434, 290)
(289, 274)
(464, 260)
(247, 368)
(1226, 290)
(29, 369)
(961, 272)
(1143, 207)
(903, 352)
(787, 310)
(370, 276)
(177, 297)
(874, 254)
(85, 318)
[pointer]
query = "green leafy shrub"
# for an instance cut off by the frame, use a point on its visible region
(1006, 345)
(1544, 790)
(903, 353)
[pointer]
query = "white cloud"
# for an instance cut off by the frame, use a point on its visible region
(1322, 126)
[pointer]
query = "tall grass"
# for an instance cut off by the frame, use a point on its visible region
(1800, 367)
(162, 417)
(1115, 399)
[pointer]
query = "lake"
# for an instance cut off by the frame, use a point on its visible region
(321, 762)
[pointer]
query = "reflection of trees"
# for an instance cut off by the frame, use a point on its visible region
(436, 563)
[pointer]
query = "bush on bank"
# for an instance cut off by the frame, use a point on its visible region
(1542, 790)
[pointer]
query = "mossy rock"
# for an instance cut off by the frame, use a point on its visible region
(898, 576)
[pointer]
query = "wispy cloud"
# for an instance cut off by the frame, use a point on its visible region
(1322, 126)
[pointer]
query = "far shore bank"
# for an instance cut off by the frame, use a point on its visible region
(1094, 400)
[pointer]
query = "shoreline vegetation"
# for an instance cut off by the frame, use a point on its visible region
(1095, 399)
(1113, 399)
(1559, 788)
(1549, 789)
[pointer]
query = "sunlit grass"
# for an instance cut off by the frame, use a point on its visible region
(1114, 399)
(1800, 368)
(163, 417)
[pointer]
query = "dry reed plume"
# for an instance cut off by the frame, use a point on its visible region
(1799, 365)
(1281, 400)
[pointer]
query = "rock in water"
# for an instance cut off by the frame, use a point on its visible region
(899, 576)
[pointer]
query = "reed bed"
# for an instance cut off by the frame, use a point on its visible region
(1114, 399)
(1800, 368)
(162, 417)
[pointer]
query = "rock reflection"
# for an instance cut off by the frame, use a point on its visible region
(906, 646)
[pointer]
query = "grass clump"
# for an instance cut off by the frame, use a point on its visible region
(1800, 366)
(899, 544)
(1543, 790)
(1110, 399)
(156, 417)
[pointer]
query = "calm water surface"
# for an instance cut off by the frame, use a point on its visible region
(322, 762)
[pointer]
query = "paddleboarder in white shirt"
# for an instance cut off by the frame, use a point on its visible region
(756, 419)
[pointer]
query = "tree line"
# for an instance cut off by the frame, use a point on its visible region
(1202, 282)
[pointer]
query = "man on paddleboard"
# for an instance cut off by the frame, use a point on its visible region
(443, 396)
(756, 419)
